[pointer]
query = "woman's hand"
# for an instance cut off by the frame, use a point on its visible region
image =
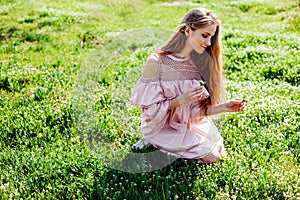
(235, 105)
(193, 95)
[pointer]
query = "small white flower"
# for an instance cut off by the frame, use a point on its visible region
(4, 186)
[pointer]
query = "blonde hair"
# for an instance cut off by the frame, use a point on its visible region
(209, 63)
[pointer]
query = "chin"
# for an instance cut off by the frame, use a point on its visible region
(200, 51)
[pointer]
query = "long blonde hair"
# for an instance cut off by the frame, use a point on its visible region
(209, 63)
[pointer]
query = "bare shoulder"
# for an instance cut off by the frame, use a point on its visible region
(151, 67)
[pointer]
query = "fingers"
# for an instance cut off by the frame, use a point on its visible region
(236, 109)
(197, 94)
(237, 104)
(240, 106)
(204, 95)
(201, 96)
(240, 99)
(236, 100)
(197, 89)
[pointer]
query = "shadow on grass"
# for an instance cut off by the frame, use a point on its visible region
(175, 181)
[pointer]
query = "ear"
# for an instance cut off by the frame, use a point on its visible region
(187, 31)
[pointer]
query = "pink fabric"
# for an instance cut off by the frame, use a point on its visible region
(180, 132)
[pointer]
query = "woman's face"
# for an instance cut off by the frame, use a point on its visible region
(200, 38)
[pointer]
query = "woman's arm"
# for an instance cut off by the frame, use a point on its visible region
(213, 110)
(233, 105)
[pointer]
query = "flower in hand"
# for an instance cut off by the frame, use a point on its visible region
(235, 105)
(202, 82)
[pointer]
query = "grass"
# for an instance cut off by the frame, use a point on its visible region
(67, 71)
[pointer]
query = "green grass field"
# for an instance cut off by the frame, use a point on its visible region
(67, 70)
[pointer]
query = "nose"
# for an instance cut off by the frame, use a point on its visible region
(207, 42)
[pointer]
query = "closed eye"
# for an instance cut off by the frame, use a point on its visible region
(205, 36)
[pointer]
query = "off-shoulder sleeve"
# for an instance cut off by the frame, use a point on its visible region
(145, 94)
(150, 97)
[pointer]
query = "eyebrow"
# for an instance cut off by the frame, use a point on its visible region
(208, 33)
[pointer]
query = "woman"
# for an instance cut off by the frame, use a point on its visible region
(175, 106)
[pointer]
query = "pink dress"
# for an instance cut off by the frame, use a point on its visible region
(179, 132)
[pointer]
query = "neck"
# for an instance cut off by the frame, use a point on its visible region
(185, 52)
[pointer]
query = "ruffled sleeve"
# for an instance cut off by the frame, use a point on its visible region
(150, 97)
(145, 94)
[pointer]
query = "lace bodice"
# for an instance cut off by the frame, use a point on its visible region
(172, 68)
